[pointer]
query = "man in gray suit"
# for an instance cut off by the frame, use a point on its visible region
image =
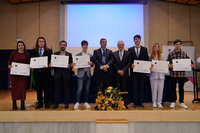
(83, 77)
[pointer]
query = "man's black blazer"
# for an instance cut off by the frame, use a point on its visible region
(143, 55)
(124, 64)
(63, 71)
(44, 71)
(97, 59)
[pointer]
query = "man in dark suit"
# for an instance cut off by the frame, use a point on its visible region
(138, 52)
(42, 76)
(122, 62)
(62, 77)
(103, 60)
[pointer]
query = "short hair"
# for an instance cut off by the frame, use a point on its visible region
(84, 42)
(102, 39)
(136, 36)
(63, 41)
(177, 40)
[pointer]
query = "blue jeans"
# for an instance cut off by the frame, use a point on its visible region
(85, 80)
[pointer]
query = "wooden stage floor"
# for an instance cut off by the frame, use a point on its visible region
(148, 114)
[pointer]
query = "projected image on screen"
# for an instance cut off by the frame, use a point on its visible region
(113, 22)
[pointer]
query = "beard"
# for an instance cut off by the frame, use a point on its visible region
(62, 49)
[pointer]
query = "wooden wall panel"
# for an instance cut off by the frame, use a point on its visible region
(8, 28)
(50, 23)
(158, 23)
(179, 22)
(28, 23)
(195, 27)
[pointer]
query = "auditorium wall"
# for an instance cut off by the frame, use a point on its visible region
(169, 21)
(27, 21)
(165, 21)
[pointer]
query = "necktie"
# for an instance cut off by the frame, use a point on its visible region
(137, 51)
(40, 52)
(120, 55)
(104, 57)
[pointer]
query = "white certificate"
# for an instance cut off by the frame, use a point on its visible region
(39, 62)
(59, 61)
(181, 64)
(20, 69)
(142, 66)
(81, 61)
(160, 66)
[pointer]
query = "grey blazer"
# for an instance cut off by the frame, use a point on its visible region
(81, 71)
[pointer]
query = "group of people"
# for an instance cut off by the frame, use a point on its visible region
(110, 67)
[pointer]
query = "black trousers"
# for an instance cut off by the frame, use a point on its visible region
(181, 82)
(62, 83)
(122, 83)
(103, 82)
(42, 83)
(138, 80)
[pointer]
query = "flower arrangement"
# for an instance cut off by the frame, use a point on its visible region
(111, 100)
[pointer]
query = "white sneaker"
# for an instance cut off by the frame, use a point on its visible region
(159, 105)
(182, 105)
(76, 105)
(86, 105)
(172, 105)
(154, 105)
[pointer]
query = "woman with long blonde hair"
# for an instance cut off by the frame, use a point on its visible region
(156, 78)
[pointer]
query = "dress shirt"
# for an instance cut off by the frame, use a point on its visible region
(42, 52)
(138, 50)
(122, 52)
(105, 57)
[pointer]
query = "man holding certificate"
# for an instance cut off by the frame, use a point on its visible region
(140, 53)
(83, 75)
(62, 75)
(177, 76)
(42, 75)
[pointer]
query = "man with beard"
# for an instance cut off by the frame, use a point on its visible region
(62, 77)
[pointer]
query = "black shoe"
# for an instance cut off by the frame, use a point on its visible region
(22, 105)
(66, 106)
(55, 106)
(39, 106)
(126, 106)
(141, 105)
(47, 106)
(15, 105)
(135, 106)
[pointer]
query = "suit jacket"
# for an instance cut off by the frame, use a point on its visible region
(157, 75)
(44, 71)
(143, 55)
(97, 60)
(63, 71)
(81, 71)
(124, 64)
